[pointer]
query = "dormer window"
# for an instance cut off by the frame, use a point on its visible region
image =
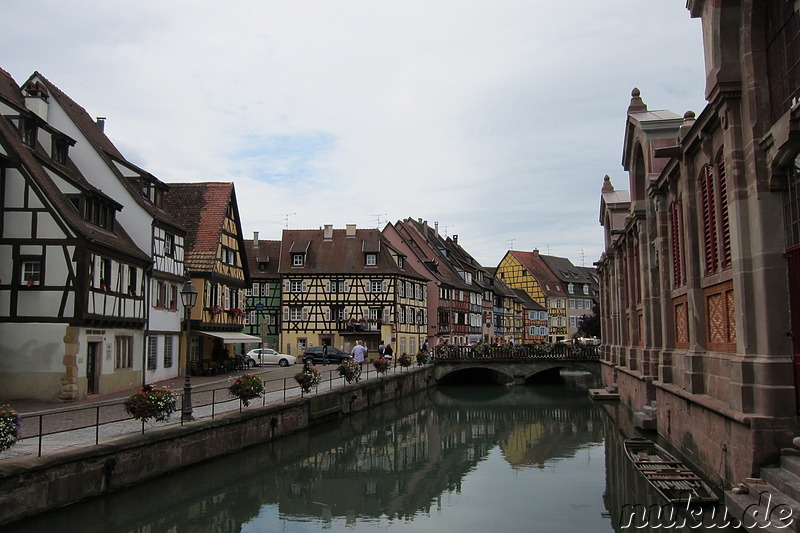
(371, 259)
(262, 267)
(571, 288)
(298, 260)
(585, 289)
(98, 213)
(60, 149)
(400, 261)
(27, 130)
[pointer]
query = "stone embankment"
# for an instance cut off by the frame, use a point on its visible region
(31, 485)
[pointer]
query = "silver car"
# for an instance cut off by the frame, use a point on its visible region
(268, 356)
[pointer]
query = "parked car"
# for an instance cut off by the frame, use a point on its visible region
(267, 356)
(314, 354)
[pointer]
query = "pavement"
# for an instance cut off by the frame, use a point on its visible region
(56, 420)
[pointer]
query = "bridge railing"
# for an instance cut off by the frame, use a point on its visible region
(527, 351)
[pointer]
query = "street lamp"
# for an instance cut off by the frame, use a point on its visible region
(188, 299)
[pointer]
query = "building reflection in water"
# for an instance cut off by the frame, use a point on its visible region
(393, 463)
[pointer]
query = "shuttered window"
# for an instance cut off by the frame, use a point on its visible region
(676, 243)
(716, 225)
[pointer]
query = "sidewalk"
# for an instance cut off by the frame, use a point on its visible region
(57, 420)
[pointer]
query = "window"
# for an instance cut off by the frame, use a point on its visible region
(371, 259)
(586, 289)
(31, 272)
(337, 286)
(105, 274)
(401, 289)
(228, 256)
(152, 352)
(296, 286)
(168, 351)
(716, 227)
(161, 298)
(60, 147)
(400, 261)
(173, 300)
(572, 303)
(169, 245)
(572, 321)
(27, 128)
(298, 260)
(571, 288)
(676, 239)
(124, 352)
(418, 292)
(782, 32)
(132, 281)
(376, 285)
(296, 314)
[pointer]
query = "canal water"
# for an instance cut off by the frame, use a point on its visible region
(534, 458)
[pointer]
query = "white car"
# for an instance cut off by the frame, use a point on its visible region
(267, 356)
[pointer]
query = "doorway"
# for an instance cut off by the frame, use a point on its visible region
(92, 370)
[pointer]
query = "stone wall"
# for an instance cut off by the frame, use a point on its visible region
(32, 485)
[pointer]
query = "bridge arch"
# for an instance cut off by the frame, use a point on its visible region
(507, 372)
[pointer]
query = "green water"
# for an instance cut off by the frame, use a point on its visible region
(460, 459)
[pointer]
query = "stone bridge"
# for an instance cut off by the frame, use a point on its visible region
(513, 365)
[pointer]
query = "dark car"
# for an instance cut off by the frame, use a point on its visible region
(314, 354)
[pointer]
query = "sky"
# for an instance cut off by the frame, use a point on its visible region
(497, 120)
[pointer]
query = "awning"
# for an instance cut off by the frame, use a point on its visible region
(232, 337)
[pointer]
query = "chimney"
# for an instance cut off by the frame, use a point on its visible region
(455, 239)
(327, 233)
(255, 239)
(36, 99)
(350, 230)
(535, 251)
(101, 123)
(436, 227)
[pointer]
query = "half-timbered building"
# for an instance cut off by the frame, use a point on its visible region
(345, 285)
(72, 280)
(149, 225)
(576, 286)
(448, 309)
(527, 271)
(263, 297)
(217, 267)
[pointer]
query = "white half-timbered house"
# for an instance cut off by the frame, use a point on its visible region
(72, 280)
(149, 225)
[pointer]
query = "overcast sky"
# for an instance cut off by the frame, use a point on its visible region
(498, 120)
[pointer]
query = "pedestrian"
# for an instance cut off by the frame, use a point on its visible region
(388, 352)
(325, 354)
(359, 352)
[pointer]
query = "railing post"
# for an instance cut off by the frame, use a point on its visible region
(97, 425)
(41, 428)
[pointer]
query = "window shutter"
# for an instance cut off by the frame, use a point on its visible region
(401, 289)
(328, 314)
(286, 286)
(384, 286)
(285, 314)
(304, 286)
(725, 227)
(367, 286)
(305, 313)
(346, 286)
(709, 220)
(329, 287)
(345, 313)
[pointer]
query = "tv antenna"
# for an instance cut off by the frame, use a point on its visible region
(583, 258)
(378, 219)
(445, 228)
(511, 243)
(548, 248)
(286, 218)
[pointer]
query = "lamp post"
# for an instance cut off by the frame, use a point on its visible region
(188, 299)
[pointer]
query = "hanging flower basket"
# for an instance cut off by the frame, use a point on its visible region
(405, 360)
(247, 387)
(348, 370)
(9, 427)
(381, 364)
(422, 358)
(151, 402)
(308, 378)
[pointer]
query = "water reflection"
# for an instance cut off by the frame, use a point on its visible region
(465, 457)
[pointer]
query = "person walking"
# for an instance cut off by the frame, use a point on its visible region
(388, 353)
(359, 353)
(325, 354)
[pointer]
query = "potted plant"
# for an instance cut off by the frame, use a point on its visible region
(308, 378)
(348, 370)
(151, 402)
(215, 309)
(247, 387)
(380, 364)
(405, 360)
(9, 427)
(422, 358)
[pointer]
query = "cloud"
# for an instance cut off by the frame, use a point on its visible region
(497, 120)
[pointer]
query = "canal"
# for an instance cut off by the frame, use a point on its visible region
(455, 458)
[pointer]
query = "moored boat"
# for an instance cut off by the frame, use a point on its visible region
(669, 476)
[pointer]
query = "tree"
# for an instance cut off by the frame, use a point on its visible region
(589, 325)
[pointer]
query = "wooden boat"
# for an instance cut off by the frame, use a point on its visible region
(669, 476)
